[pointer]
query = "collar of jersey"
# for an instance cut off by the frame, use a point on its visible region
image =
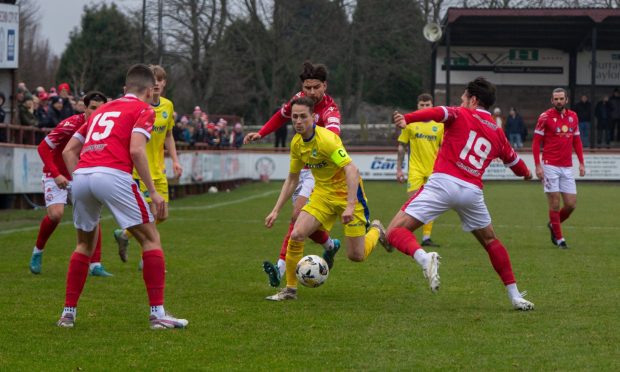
(158, 103)
(313, 134)
(482, 110)
(130, 95)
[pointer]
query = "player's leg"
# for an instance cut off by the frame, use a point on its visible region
(96, 267)
(415, 183)
(568, 192)
(361, 236)
(501, 263)
(551, 185)
(55, 200)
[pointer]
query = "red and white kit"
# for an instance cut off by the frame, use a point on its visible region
(467, 150)
(103, 173)
(559, 134)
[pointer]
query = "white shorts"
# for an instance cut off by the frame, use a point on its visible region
(443, 192)
(305, 186)
(95, 187)
(559, 179)
(53, 194)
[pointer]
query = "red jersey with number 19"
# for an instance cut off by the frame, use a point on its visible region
(471, 141)
(107, 134)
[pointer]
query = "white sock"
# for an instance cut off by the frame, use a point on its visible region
(426, 237)
(513, 292)
(69, 310)
(37, 250)
(158, 311)
(560, 240)
(329, 244)
(281, 267)
(94, 264)
(420, 256)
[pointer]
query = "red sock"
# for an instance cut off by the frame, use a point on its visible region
(554, 218)
(565, 213)
(403, 240)
(96, 257)
(501, 261)
(45, 231)
(285, 241)
(319, 236)
(76, 277)
(154, 274)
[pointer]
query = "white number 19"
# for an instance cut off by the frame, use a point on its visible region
(481, 147)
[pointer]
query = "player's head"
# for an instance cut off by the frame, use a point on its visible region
(314, 80)
(559, 98)
(478, 93)
(92, 101)
(140, 81)
(160, 79)
(302, 109)
(425, 100)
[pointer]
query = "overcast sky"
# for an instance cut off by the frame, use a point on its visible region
(59, 17)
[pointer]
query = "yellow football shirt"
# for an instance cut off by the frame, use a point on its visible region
(164, 122)
(424, 139)
(325, 156)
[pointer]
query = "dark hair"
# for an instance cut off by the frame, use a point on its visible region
(425, 97)
(310, 71)
(94, 96)
(139, 78)
(483, 90)
(304, 101)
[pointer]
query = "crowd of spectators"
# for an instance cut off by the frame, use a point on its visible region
(200, 129)
(45, 109)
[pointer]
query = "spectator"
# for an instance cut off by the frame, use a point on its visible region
(222, 127)
(26, 111)
(236, 137)
(195, 120)
(189, 134)
(80, 107)
(614, 100)
(52, 93)
(2, 117)
(179, 127)
(212, 137)
(583, 109)
(67, 104)
(603, 112)
(497, 116)
(55, 111)
(42, 113)
(514, 128)
(281, 133)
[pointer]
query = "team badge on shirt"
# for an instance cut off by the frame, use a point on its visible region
(564, 128)
(570, 119)
(165, 115)
(314, 153)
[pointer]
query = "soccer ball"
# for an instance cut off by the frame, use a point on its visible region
(212, 190)
(312, 271)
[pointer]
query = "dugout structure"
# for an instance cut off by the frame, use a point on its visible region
(527, 53)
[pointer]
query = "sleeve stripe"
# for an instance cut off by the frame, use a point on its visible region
(282, 113)
(332, 126)
(49, 142)
(539, 132)
(79, 137)
(143, 131)
(445, 113)
(513, 162)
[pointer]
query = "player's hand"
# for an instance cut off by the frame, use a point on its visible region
(251, 137)
(347, 215)
(159, 203)
(399, 120)
(539, 172)
(177, 169)
(271, 219)
(582, 170)
(61, 181)
(529, 176)
(400, 177)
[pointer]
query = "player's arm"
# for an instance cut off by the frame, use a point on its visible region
(46, 153)
(172, 150)
(137, 150)
(512, 160)
(352, 177)
(274, 123)
(289, 186)
(439, 114)
(71, 153)
(578, 146)
(400, 160)
(539, 133)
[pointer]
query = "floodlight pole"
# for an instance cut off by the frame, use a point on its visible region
(593, 87)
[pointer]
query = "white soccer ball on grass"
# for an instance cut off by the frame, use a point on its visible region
(312, 271)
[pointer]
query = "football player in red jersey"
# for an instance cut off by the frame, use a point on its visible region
(102, 155)
(471, 141)
(56, 181)
(557, 130)
(326, 114)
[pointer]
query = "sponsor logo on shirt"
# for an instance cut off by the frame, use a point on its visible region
(426, 137)
(159, 129)
(322, 164)
(467, 169)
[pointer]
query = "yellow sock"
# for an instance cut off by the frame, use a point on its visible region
(370, 241)
(128, 233)
(426, 229)
(294, 253)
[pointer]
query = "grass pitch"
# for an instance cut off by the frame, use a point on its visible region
(376, 315)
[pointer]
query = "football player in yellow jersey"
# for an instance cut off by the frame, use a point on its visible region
(161, 136)
(338, 192)
(423, 140)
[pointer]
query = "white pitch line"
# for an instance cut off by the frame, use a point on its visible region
(200, 207)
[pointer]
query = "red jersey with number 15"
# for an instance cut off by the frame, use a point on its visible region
(107, 134)
(471, 141)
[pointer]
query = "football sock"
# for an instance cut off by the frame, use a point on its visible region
(158, 311)
(281, 267)
(76, 277)
(421, 257)
(126, 234)
(513, 291)
(426, 230)
(37, 250)
(285, 241)
(96, 257)
(46, 229)
(294, 253)
(154, 275)
(403, 240)
(554, 218)
(69, 310)
(565, 213)
(500, 261)
(370, 241)
(320, 237)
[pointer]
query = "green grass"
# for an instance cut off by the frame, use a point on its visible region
(377, 315)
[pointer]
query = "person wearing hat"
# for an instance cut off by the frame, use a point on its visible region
(64, 92)
(42, 113)
(55, 110)
(26, 111)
